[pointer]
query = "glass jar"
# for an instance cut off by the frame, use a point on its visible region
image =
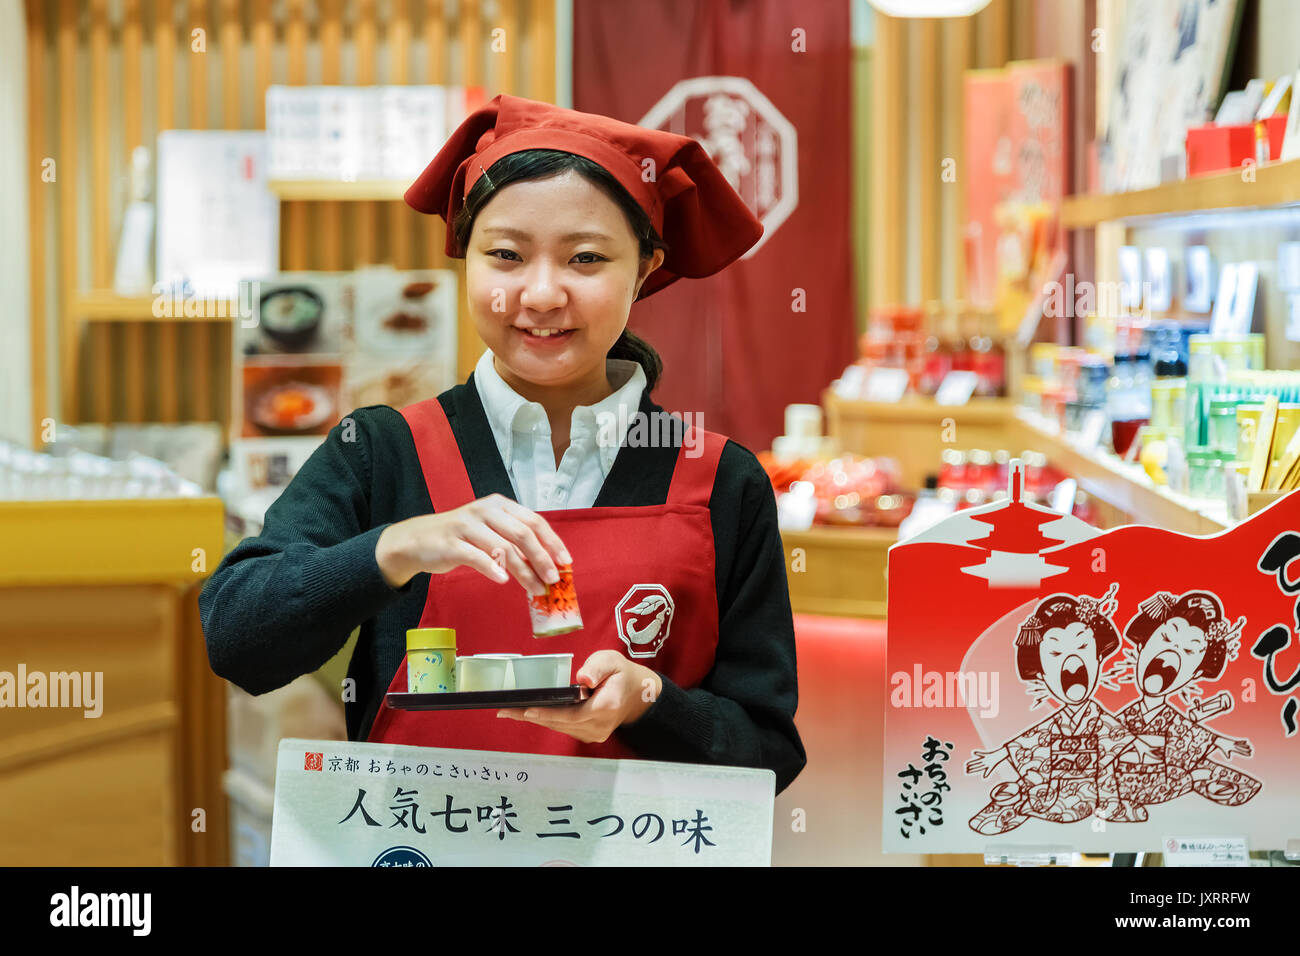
(1223, 426)
(1198, 464)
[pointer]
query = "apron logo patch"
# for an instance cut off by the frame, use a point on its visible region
(643, 618)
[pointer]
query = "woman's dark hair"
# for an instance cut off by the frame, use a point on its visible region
(1061, 610)
(537, 163)
(1199, 609)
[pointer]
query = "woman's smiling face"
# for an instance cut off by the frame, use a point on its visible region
(554, 256)
(1170, 657)
(1069, 659)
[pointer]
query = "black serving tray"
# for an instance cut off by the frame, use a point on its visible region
(489, 699)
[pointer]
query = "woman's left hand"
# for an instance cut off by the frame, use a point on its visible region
(621, 691)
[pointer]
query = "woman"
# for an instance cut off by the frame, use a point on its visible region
(1180, 640)
(422, 517)
(1065, 765)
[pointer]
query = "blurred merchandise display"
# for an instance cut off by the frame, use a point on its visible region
(910, 351)
(27, 475)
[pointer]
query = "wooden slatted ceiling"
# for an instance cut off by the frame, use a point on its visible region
(93, 62)
(928, 108)
(37, 40)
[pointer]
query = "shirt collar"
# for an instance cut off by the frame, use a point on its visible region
(508, 411)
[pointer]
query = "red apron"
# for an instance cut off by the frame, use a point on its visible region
(622, 556)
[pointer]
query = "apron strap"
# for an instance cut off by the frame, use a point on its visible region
(440, 459)
(697, 464)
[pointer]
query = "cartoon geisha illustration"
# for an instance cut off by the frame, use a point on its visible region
(1065, 765)
(1178, 641)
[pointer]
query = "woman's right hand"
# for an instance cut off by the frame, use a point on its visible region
(493, 535)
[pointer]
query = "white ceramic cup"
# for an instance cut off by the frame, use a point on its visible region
(542, 670)
(484, 672)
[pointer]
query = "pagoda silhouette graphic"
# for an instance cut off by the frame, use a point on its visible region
(1016, 542)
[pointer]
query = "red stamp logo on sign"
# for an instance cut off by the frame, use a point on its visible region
(314, 762)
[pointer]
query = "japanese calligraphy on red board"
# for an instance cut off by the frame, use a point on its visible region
(1053, 685)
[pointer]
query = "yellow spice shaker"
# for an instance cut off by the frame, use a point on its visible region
(431, 660)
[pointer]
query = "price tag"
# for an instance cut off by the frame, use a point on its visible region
(956, 388)
(1206, 851)
(886, 385)
(1062, 497)
(850, 384)
(1235, 490)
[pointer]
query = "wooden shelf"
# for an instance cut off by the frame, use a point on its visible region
(109, 541)
(1121, 484)
(103, 305)
(914, 409)
(1275, 184)
(915, 431)
(328, 190)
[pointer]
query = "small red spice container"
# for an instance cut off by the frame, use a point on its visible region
(1212, 149)
(556, 611)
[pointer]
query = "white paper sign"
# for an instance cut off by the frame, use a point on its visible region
(850, 385)
(217, 221)
(956, 388)
(1160, 284)
(1223, 299)
(1094, 423)
(1130, 276)
(1243, 301)
(1199, 296)
(1291, 144)
(350, 803)
(1206, 851)
(886, 385)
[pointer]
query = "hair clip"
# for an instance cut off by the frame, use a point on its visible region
(486, 176)
(1158, 605)
(1104, 606)
(1230, 634)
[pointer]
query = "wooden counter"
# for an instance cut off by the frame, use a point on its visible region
(838, 571)
(111, 587)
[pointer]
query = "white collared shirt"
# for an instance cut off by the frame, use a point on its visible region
(523, 436)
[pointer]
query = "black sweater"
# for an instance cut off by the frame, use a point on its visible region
(282, 604)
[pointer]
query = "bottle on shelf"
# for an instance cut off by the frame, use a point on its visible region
(936, 360)
(1128, 406)
(1169, 362)
(984, 363)
(956, 336)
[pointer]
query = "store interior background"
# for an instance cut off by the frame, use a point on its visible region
(119, 599)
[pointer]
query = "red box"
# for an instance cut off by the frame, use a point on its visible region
(1211, 148)
(1275, 127)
